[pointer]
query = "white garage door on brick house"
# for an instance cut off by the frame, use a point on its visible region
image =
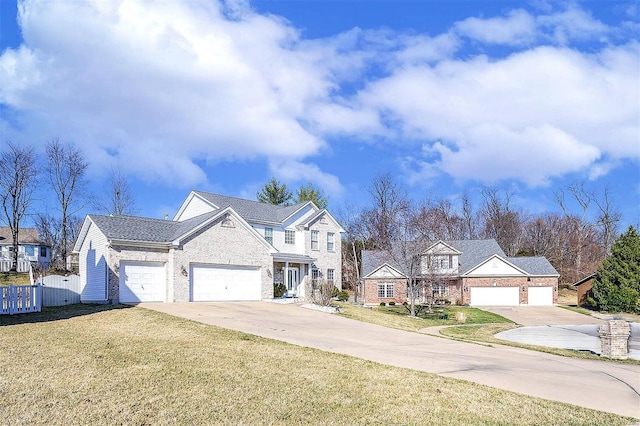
(495, 296)
(540, 296)
(142, 282)
(220, 283)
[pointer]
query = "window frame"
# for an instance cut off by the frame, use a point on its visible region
(386, 290)
(268, 235)
(331, 241)
(330, 276)
(289, 237)
(315, 240)
(43, 250)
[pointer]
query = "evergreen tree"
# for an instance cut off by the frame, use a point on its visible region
(274, 192)
(616, 286)
(311, 193)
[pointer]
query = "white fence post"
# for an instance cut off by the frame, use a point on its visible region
(20, 299)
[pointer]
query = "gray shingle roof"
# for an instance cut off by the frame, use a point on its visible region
(534, 265)
(252, 211)
(473, 253)
(25, 236)
(143, 229)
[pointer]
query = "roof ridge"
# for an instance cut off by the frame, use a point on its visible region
(251, 201)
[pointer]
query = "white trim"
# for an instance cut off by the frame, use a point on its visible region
(186, 202)
(495, 256)
(369, 275)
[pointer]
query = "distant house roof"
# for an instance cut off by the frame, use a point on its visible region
(253, 211)
(473, 252)
(25, 236)
(584, 280)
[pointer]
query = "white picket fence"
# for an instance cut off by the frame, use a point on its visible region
(59, 290)
(5, 265)
(20, 299)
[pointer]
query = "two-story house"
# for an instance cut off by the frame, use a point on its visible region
(464, 272)
(31, 250)
(216, 248)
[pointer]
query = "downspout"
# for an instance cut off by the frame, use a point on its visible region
(106, 272)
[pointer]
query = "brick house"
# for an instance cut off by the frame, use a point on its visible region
(464, 272)
(216, 248)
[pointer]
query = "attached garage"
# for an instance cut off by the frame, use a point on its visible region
(142, 282)
(495, 296)
(540, 296)
(216, 283)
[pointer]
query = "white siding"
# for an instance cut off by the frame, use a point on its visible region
(196, 207)
(93, 266)
(495, 266)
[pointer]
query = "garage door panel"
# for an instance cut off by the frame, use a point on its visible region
(495, 296)
(540, 296)
(210, 283)
(142, 282)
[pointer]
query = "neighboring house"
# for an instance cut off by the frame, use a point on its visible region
(30, 249)
(216, 248)
(585, 289)
(466, 272)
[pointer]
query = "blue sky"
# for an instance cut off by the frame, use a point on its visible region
(448, 96)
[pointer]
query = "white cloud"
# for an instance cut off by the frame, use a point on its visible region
(515, 29)
(176, 80)
(295, 171)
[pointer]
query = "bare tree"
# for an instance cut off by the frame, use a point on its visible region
(119, 199)
(608, 220)
(469, 218)
(18, 173)
(50, 231)
(388, 198)
(355, 240)
(66, 167)
(500, 221)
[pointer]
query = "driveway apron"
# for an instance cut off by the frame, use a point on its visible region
(605, 386)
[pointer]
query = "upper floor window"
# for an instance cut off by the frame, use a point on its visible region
(314, 240)
(330, 241)
(441, 262)
(289, 237)
(43, 252)
(268, 235)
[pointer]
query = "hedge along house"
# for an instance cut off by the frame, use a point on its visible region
(466, 272)
(216, 248)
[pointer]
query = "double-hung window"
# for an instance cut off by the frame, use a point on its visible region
(314, 240)
(289, 236)
(315, 276)
(330, 276)
(330, 241)
(385, 290)
(268, 235)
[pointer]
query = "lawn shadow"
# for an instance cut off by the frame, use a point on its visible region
(56, 313)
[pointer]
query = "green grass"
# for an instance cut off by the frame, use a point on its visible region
(398, 316)
(17, 278)
(113, 365)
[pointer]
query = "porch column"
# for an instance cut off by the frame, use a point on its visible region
(286, 275)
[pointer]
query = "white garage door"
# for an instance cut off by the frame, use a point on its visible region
(224, 283)
(142, 282)
(495, 296)
(541, 296)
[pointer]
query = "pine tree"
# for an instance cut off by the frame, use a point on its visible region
(274, 192)
(616, 286)
(311, 193)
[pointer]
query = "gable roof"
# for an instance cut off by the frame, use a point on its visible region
(254, 211)
(585, 279)
(472, 254)
(25, 236)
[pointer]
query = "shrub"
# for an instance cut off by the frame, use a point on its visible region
(392, 303)
(279, 290)
(383, 304)
(335, 291)
(343, 296)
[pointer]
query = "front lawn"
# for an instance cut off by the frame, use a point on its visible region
(16, 278)
(398, 316)
(116, 365)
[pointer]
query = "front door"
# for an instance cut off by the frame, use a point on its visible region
(292, 282)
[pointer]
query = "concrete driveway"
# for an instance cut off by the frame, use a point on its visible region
(541, 315)
(606, 386)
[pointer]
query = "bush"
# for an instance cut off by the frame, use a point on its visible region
(392, 303)
(383, 304)
(279, 290)
(343, 296)
(335, 291)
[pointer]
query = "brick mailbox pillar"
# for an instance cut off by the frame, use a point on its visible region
(613, 339)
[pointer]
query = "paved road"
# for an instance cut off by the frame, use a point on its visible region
(605, 386)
